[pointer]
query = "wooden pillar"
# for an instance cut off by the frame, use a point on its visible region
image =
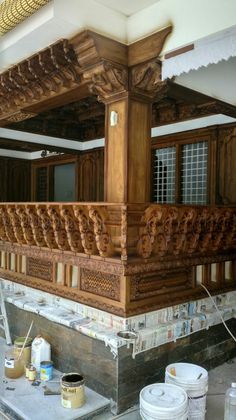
(128, 149)
(127, 80)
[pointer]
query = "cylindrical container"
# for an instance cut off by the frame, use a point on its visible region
(41, 350)
(72, 390)
(18, 344)
(27, 367)
(194, 380)
(46, 370)
(14, 367)
(230, 403)
(32, 373)
(163, 401)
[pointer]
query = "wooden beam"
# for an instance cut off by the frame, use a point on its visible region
(148, 48)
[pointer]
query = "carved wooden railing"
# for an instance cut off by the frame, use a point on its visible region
(187, 230)
(122, 231)
(122, 258)
(79, 228)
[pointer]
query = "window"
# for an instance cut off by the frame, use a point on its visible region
(164, 175)
(180, 173)
(194, 173)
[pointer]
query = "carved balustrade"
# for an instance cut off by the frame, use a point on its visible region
(121, 231)
(75, 227)
(122, 258)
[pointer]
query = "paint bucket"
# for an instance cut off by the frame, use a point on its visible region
(194, 380)
(163, 401)
(46, 370)
(72, 390)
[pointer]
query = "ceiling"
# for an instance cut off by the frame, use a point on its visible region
(84, 120)
(127, 7)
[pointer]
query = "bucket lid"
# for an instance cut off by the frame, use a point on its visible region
(166, 397)
(19, 341)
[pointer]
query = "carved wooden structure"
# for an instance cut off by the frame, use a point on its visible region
(124, 256)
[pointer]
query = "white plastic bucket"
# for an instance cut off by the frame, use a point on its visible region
(194, 380)
(163, 402)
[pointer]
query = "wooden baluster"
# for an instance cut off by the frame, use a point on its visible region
(103, 239)
(36, 225)
(170, 224)
(3, 235)
(25, 225)
(86, 231)
(185, 222)
(147, 241)
(15, 221)
(8, 225)
(48, 232)
(58, 228)
(72, 229)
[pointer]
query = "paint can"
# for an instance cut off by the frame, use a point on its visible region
(72, 390)
(27, 368)
(46, 370)
(32, 373)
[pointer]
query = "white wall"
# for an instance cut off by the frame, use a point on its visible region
(191, 20)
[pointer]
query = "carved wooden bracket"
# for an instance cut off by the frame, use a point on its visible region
(43, 75)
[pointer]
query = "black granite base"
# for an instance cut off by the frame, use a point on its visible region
(121, 379)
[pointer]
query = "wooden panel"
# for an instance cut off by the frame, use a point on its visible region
(15, 180)
(39, 268)
(115, 158)
(3, 177)
(139, 152)
(128, 153)
(226, 161)
(91, 176)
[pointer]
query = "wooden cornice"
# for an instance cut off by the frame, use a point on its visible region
(89, 63)
(48, 73)
(92, 48)
(90, 59)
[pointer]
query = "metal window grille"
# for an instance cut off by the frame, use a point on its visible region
(164, 175)
(194, 173)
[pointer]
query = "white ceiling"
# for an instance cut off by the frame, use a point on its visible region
(127, 7)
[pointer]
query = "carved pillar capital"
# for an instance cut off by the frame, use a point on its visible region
(145, 79)
(107, 80)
